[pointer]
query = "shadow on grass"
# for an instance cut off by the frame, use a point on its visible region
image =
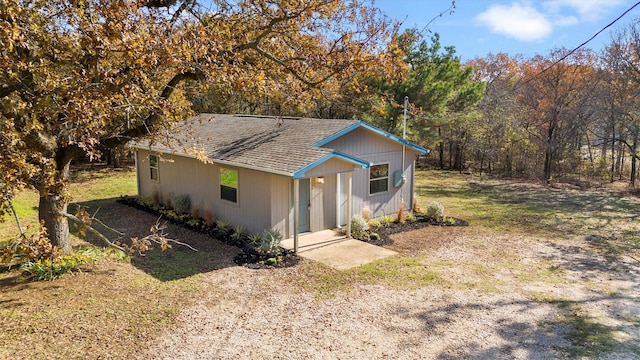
(172, 264)
(605, 220)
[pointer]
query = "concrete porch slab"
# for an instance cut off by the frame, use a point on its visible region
(309, 241)
(335, 250)
(347, 254)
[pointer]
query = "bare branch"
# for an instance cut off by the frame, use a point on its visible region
(88, 228)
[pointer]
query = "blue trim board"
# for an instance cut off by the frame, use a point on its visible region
(350, 128)
(300, 174)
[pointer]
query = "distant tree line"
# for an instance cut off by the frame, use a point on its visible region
(566, 116)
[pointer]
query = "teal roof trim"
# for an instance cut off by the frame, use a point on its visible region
(374, 129)
(300, 174)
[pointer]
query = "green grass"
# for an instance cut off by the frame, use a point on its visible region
(95, 185)
(590, 338)
(521, 208)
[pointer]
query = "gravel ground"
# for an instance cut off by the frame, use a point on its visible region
(265, 314)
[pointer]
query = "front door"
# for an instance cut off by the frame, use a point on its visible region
(304, 223)
(317, 204)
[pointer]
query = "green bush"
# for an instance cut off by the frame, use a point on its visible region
(359, 227)
(411, 217)
(181, 203)
(374, 236)
(50, 269)
(435, 211)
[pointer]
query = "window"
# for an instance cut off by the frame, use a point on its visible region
(153, 167)
(378, 179)
(229, 185)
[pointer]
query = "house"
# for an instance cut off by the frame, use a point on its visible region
(294, 175)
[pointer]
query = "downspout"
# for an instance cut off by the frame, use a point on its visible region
(404, 137)
(296, 212)
(137, 164)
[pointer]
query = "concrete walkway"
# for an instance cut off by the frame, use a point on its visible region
(335, 250)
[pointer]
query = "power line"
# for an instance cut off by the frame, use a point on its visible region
(564, 57)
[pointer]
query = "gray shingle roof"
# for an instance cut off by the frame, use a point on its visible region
(280, 145)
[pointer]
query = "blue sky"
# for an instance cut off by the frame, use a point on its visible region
(479, 27)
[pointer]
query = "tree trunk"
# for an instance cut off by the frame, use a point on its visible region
(57, 225)
(441, 149)
(547, 165)
(54, 203)
(633, 151)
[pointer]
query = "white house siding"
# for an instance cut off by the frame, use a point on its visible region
(280, 200)
(177, 175)
(376, 149)
(182, 175)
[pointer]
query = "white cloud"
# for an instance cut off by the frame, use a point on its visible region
(588, 10)
(521, 22)
(565, 20)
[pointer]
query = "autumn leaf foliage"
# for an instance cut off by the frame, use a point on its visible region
(83, 76)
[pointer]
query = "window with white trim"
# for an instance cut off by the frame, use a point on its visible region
(378, 179)
(229, 185)
(153, 167)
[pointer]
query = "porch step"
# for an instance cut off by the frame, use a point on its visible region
(314, 240)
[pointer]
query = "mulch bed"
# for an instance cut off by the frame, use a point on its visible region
(385, 232)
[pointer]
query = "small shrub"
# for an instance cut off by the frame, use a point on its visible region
(195, 223)
(223, 228)
(239, 233)
(386, 220)
(195, 212)
(209, 218)
(50, 269)
(411, 217)
(374, 224)
(374, 236)
(254, 239)
(366, 213)
(401, 216)
(169, 204)
(435, 211)
(359, 227)
(416, 205)
(270, 242)
(181, 203)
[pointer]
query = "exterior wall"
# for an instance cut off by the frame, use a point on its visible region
(262, 198)
(376, 149)
(280, 200)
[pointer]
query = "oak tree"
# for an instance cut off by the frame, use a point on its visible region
(83, 76)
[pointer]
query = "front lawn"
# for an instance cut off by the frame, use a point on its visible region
(539, 273)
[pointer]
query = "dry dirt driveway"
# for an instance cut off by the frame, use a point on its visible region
(451, 293)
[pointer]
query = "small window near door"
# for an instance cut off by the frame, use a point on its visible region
(153, 167)
(378, 179)
(229, 185)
